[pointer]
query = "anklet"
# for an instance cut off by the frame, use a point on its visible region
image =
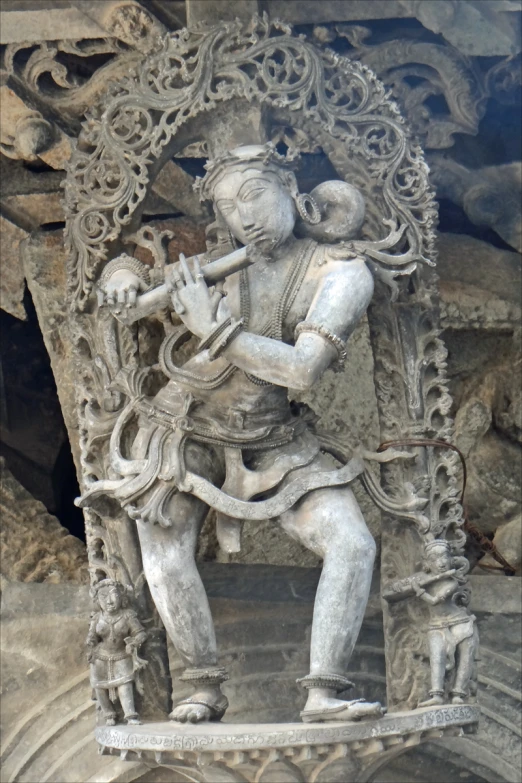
(212, 676)
(332, 681)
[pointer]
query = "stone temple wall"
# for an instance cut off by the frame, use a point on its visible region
(455, 69)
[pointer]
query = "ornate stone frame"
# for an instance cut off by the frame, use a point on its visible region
(154, 113)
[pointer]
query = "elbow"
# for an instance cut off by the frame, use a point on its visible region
(304, 377)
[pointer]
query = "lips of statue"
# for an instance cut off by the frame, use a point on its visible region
(256, 207)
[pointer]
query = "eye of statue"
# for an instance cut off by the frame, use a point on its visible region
(253, 193)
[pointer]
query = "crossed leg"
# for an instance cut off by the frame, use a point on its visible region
(329, 523)
(176, 587)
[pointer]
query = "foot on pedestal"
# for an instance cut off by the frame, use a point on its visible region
(326, 709)
(204, 705)
(133, 720)
(434, 701)
(457, 698)
(110, 720)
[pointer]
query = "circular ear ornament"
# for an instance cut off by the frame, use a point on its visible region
(308, 209)
(342, 209)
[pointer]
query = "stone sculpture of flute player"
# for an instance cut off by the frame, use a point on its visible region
(225, 416)
(452, 632)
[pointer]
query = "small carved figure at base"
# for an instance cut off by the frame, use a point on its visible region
(115, 634)
(452, 632)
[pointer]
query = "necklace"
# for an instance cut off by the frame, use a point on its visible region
(273, 327)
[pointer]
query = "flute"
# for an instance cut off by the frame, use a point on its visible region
(215, 271)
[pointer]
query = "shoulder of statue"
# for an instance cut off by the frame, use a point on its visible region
(330, 256)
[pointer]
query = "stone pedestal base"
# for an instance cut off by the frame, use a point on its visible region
(284, 752)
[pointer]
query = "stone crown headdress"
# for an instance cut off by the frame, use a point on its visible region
(262, 156)
(439, 543)
(106, 583)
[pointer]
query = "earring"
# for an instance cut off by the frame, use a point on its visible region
(308, 209)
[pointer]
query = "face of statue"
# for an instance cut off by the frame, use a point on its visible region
(257, 207)
(439, 560)
(110, 600)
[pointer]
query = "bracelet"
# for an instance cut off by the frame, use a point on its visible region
(207, 341)
(126, 262)
(225, 339)
(322, 331)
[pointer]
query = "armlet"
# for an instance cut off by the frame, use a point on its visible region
(322, 331)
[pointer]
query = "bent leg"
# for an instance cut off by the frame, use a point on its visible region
(330, 523)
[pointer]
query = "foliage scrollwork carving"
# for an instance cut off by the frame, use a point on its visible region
(151, 115)
(192, 73)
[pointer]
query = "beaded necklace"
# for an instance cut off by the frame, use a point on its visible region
(273, 327)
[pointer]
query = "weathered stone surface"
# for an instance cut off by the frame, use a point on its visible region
(34, 546)
(43, 21)
(212, 13)
(176, 187)
(12, 277)
(477, 27)
(508, 540)
(480, 285)
(25, 134)
(44, 261)
(124, 19)
(29, 198)
(490, 196)
(494, 493)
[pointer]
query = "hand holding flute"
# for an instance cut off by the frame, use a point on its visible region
(129, 298)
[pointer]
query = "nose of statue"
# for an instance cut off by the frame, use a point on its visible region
(246, 215)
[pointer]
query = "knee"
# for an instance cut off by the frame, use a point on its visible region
(363, 547)
(356, 545)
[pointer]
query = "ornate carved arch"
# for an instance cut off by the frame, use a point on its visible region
(341, 105)
(149, 116)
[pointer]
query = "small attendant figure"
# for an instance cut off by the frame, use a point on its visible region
(452, 632)
(115, 634)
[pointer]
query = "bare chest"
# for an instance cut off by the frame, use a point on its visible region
(272, 298)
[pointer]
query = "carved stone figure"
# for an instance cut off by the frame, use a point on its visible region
(114, 637)
(452, 632)
(266, 309)
(224, 421)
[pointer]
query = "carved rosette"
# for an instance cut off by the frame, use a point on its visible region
(339, 105)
